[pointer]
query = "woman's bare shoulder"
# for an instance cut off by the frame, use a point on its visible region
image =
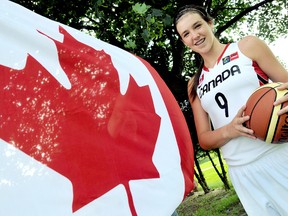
(251, 46)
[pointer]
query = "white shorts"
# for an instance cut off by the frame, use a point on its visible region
(262, 185)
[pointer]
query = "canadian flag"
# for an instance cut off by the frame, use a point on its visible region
(86, 128)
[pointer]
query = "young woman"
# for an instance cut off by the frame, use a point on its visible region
(218, 93)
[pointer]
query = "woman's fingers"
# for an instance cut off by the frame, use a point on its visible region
(282, 99)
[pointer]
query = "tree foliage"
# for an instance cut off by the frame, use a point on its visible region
(147, 30)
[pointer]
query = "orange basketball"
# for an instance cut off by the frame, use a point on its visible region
(264, 121)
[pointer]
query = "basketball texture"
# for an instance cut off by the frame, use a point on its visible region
(264, 121)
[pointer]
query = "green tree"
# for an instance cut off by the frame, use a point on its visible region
(147, 30)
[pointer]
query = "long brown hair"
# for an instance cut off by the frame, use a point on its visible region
(193, 82)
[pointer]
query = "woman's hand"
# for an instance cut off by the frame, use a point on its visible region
(236, 127)
(282, 99)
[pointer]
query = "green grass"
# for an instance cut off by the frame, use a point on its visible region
(218, 202)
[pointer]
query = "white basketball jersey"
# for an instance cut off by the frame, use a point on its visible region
(223, 90)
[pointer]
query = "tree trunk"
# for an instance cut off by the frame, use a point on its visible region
(222, 177)
(200, 177)
(225, 179)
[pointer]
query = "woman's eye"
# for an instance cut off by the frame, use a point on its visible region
(197, 26)
(185, 34)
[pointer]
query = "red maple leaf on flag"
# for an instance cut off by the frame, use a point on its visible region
(91, 134)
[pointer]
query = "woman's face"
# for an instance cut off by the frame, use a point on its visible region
(195, 32)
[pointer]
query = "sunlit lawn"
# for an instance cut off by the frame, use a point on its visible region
(212, 178)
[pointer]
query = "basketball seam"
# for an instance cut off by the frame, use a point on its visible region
(271, 130)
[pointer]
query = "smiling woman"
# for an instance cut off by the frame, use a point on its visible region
(218, 93)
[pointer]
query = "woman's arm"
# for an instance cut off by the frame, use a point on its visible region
(259, 52)
(211, 139)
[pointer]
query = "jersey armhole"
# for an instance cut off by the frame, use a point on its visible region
(262, 76)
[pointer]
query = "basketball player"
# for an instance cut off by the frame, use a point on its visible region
(218, 93)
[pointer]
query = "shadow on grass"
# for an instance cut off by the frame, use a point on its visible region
(218, 202)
